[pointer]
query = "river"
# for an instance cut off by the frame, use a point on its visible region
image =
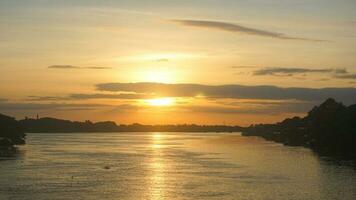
(155, 166)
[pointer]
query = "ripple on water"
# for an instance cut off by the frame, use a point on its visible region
(168, 166)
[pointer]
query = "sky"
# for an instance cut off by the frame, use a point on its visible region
(171, 62)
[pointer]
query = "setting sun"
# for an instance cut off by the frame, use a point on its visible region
(160, 102)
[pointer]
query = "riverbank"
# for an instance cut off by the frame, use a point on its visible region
(11, 132)
(328, 129)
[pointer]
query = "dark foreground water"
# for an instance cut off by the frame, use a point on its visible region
(169, 166)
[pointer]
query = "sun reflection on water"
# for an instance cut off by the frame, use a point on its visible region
(156, 140)
(158, 167)
(156, 136)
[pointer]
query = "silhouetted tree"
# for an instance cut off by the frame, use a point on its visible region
(329, 129)
(11, 132)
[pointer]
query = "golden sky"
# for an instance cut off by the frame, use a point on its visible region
(216, 61)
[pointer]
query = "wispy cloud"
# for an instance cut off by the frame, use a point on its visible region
(63, 67)
(323, 79)
(90, 96)
(346, 76)
(236, 28)
(341, 73)
(48, 106)
(243, 108)
(347, 95)
(290, 71)
(46, 98)
(74, 67)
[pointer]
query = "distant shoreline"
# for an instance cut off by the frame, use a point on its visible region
(52, 125)
(134, 132)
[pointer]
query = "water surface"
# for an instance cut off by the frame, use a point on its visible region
(169, 166)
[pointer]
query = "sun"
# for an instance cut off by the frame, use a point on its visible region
(160, 102)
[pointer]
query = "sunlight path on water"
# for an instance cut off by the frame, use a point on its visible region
(165, 166)
(158, 167)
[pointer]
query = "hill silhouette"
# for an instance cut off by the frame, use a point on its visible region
(329, 129)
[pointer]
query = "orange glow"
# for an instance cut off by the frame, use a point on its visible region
(160, 102)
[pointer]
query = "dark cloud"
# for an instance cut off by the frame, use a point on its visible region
(63, 67)
(236, 28)
(346, 95)
(346, 76)
(74, 67)
(340, 71)
(2, 100)
(290, 71)
(323, 79)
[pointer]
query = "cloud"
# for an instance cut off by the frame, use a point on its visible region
(236, 28)
(63, 67)
(125, 107)
(290, 71)
(74, 67)
(236, 107)
(2, 100)
(346, 76)
(340, 71)
(109, 96)
(323, 79)
(346, 95)
(266, 109)
(52, 106)
(45, 98)
(220, 110)
(90, 96)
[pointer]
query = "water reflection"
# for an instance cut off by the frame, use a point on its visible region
(10, 153)
(168, 166)
(156, 140)
(157, 169)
